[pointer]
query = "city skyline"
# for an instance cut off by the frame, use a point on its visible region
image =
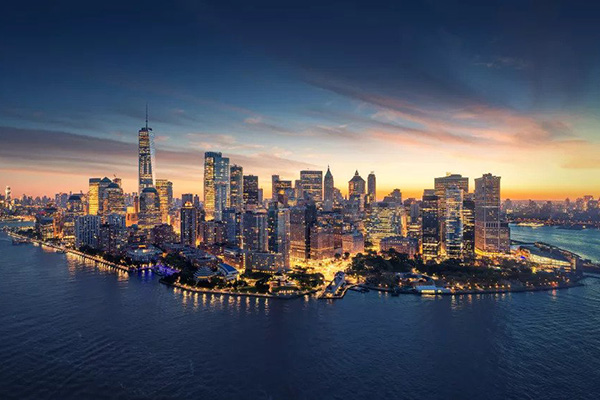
(428, 86)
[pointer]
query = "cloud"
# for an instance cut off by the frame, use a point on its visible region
(258, 122)
(59, 153)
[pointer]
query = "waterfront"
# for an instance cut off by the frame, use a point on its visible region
(71, 330)
(585, 242)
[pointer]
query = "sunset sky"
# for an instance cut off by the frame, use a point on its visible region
(407, 91)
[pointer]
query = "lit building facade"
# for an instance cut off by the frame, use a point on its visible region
(217, 183)
(146, 161)
(492, 235)
(251, 195)
(453, 222)
(312, 185)
(430, 227)
(164, 188)
(236, 187)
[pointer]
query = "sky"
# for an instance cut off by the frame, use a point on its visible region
(409, 90)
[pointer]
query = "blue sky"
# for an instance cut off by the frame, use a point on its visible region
(410, 90)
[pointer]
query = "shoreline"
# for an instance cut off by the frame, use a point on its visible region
(289, 296)
(240, 294)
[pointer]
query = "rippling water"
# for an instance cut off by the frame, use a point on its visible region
(585, 242)
(71, 330)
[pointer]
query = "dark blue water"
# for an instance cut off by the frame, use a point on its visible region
(585, 242)
(70, 330)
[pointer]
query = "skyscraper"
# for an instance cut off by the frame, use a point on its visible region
(216, 184)
(146, 162)
(278, 226)
(371, 188)
(251, 190)
(441, 185)
(281, 190)
(328, 187)
(384, 220)
(468, 226)
(189, 224)
(492, 236)
(453, 222)
(94, 196)
(356, 185)
(164, 188)
(254, 231)
(312, 185)
(236, 187)
(113, 201)
(149, 215)
(430, 227)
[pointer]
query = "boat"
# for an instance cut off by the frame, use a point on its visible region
(531, 224)
(18, 241)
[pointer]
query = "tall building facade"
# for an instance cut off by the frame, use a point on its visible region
(149, 215)
(146, 161)
(356, 185)
(453, 222)
(94, 196)
(236, 177)
(189, 224)
(468, 227)
(278, 226)
(251, 195)
(430, 227)
(383, 220)
(164, 188)
(217, 183)
(328, 186)
(254, 231)
(492, 235)
(312, 185)
(113, 200)
(371, 188)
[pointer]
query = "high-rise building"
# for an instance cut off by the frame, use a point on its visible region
(254, 231)
(278, 227)
(492, 235)
(236, 187)
(113, 201)
(453, 222)
(302, 219)
(216, 184)
(371, 188)
(328, 187)
(383, 220)
(232, 218)
(164, 188)
(149, 215)
(441, 184)
(468, 226)
(94, 196)
(87, 231)
(356, 185)
(74, 209)
(189, 224)
(251, 190)
(281, 190)
(312, 185)
(430, 227)
(146, 162)
(187, 198)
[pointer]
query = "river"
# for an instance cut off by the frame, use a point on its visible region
(71, 330)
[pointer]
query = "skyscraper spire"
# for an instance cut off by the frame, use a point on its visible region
(146, 115)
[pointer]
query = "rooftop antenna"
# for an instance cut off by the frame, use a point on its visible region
(146, 115)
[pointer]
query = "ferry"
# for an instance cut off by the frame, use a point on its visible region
(531, 224)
